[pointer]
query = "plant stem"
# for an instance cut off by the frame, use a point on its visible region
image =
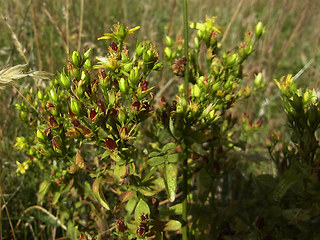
(186, 95)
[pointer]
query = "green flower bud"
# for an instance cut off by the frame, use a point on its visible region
(139, 49)
(18, 106)
(231, 59)
(23, 115)
(53, 95)
(122, 116)
(127, 67)
(134, 75)
(75, 72)
(76, 59)
(258, 80)
(259, 29)
(112, 98)
(41, 136)
(196, 91)
(84, 76)
(80, 89)
(169, 41)
(64, 80)
(40, 95)
(87, 54)
(87, 64)
(248, 49)
(167, 53)
(123, 85)
(75, 107)
(215, 87)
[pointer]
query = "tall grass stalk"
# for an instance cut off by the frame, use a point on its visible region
(186, 93)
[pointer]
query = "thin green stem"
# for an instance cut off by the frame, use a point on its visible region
(186, 94)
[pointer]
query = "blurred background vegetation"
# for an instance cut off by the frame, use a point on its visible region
(42, 33)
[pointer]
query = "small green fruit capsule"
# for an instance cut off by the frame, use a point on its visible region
(196, 91)
(18, 106)
(122, 116)
(169, 41)
(53, 96)
(258, 80)
(64, 81)
(23, 115)
(127, 67)
(76, 59)
(139, 49)
(75, 107)
(123, 85)
(167, 53)
(40, 95)
(259, 29)
(87, 64)
(87, 54)
(231, 59)
(215, 87)
(80, 89)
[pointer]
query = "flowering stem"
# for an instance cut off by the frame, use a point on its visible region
(186, 94)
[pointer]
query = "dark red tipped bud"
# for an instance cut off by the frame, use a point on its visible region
(121, 225)
(135, 105)
(101, 105)
(144, 86)
(110, 144)
(114, 46)
(93, 114)
(52, 121)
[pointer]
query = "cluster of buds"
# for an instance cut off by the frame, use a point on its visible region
(143, 226)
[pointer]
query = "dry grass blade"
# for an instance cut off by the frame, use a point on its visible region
(16, 42)
(7, 211)
(46, 212)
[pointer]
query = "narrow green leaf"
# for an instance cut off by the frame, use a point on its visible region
(155, 161)
(282, 188)
(170, 176)
(98, 194)
(43, 189)
(142, 208)
(105, 154)
(56, 197)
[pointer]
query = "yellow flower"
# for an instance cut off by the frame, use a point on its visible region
(21, 143)
(22, 167)
(284, 83)
(106, 62)
(119, 33)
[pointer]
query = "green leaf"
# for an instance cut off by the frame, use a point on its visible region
(105, 154)
(282, 188)
(155, 161)
(177, 209)
(173, 158)
(169, 147)
(56, 197)
(170, 177)
(71, 231)
(43, 189)
(265, 180)
(142, 208)
(98, 194)
(131, 204)
(172, 225)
